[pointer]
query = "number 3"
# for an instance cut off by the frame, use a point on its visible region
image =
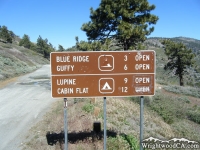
(125, 58)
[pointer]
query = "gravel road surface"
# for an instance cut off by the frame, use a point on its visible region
(22, 104)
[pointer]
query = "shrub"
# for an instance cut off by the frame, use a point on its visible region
(132, 141)
(184, 99)
(117, 143)
(184, 90)
(88, 108)
(194, 115)
(169, 108)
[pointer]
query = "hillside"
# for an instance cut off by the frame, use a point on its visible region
(165, 77)
(194, 44)
(16, 60)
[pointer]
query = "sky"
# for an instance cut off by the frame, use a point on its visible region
(60, 20)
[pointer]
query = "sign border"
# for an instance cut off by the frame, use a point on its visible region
(105, 95)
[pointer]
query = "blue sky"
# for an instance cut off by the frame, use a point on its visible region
(60, 21)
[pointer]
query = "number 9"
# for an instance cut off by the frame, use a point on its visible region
(125, 80)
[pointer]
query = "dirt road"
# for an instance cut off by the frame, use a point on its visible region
(22, 104)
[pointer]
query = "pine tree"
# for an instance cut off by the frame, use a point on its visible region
(25, 41)
(4, 34)
(33, 47)
(179, 56)
(40, 45)
(44, 47)
(77, 42)
(125, 20)
(60, 48)
(12, 34)
(83, 46)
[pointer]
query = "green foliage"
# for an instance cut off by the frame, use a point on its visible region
(132, 141)
(140, 46)
(60, 48)
(169, 108)
(73, 48)
(83, 46)
(12, 34)
(106, 44)
(88, 108)
(5, 35)
(194, 115)
(117, 143)
(127, 21)
(33, 46)
(77, 42)
(44, 47)
(25, 41)
(184, 99)
(179, 58)
(92, 46)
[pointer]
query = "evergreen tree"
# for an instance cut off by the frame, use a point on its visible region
(60, 48)
(40, 44)
(25, 41)
(51, 46)
(12, 34)
(77, 42)
(125, 20)
(4, 34)
(44, 47)
(73, 48)
(84, 46)
(33, 47)
(179, 58)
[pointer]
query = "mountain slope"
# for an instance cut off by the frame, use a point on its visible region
(16, 60)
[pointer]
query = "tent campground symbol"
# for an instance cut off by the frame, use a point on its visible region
(106, 85)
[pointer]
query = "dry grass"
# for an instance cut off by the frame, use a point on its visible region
(122, 116)
(78, 121)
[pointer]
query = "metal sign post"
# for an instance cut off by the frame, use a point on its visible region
(65, 123)
(104, 109)
(141, 120)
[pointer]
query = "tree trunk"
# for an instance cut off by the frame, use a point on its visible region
(180, 70)
(125, 45)
(181, 80)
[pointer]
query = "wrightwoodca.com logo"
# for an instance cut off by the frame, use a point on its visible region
(175, 143)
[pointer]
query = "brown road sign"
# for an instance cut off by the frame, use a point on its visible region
(102, 85)
(103, 62)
